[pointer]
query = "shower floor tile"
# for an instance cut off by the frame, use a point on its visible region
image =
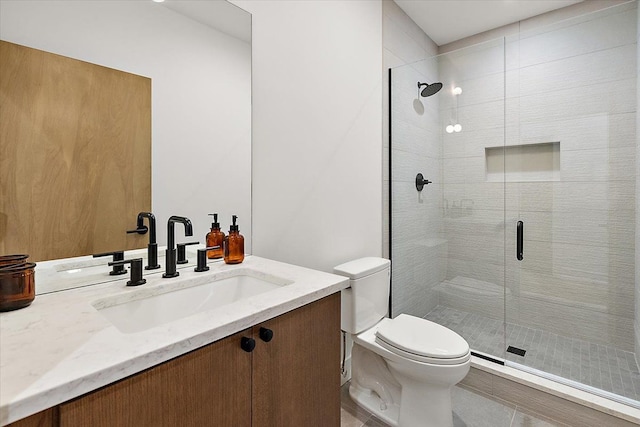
(595, 365)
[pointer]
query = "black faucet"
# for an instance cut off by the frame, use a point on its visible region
(152, 247)
(170, 259)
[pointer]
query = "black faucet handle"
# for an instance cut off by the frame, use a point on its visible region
(139, 230)
(202, 258)
(136, 270)
(182, 252)
(117, 256)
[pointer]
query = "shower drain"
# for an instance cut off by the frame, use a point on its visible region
(516, 350)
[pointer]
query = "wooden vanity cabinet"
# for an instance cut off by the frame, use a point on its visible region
(207, 384)
(290, 378)
(296, 375)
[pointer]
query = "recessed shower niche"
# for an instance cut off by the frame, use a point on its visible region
(527, 162)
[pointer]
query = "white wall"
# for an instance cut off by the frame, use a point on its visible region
(317, 144)
(201, 112)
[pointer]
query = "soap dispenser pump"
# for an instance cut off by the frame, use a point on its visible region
(234, 244)
(215, 238)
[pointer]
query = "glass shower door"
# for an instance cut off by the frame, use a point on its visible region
(570, 172)
(448, 238)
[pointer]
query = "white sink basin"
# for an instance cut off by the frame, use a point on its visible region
(164, 304)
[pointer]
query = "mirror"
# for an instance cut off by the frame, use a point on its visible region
(198, 57)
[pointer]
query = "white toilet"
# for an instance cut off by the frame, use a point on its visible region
(402, 368)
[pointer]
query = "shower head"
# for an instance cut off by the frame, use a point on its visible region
(429, 89)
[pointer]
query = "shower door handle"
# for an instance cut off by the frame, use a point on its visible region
(519, 240)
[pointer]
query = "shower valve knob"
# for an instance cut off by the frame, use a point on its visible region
(421, 182)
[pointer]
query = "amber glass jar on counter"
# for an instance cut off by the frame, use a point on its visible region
(6, 260)
(17, 286)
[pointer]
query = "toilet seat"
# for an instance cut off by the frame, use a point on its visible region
(422, 340)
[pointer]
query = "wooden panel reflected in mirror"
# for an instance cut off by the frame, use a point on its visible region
(76, 138)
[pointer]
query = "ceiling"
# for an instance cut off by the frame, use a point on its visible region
(446, 21)
(220, 15)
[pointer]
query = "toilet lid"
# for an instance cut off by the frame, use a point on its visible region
(422, 337)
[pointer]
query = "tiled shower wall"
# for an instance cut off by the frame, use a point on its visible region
(576, 84)
(573, 83)
(416, 148)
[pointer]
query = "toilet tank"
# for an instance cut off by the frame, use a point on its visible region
(366, 301)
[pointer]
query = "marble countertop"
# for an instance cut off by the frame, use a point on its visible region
(61, 347)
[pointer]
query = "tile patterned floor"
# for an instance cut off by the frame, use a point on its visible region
(470, 409)
(596, 365)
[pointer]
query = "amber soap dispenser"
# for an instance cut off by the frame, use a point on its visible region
(215, 238)
(234, 244)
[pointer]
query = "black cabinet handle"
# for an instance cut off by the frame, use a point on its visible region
(519, 240)
(266, 335)
(247, 344)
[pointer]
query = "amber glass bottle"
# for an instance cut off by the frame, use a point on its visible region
(215, 238)
(234, 244)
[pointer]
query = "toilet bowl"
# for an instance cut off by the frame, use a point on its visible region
(403, 369)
